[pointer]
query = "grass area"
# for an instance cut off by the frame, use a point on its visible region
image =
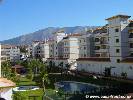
(50, 93)
(26, 82)
(29, 95)
(25, 95)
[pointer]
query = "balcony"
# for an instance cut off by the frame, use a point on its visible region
(131, 30)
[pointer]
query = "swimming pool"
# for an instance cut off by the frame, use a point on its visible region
(25, 88)
(72, 87)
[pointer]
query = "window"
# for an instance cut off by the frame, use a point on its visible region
(116, 30)
(117, 40)
(131, 54)
(103, 46)
(97, 40)
(131, 45)
(84, 48)
(117, 50)
(118, 60)
(97, 55)
(131, 35)
(97, 47)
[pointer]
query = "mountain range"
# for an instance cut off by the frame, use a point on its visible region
(45, 33)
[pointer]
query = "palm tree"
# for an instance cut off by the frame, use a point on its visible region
(61, 65)
(35, 65)
(67, 67)
(6, 69)
(44, 78)
(7, 72)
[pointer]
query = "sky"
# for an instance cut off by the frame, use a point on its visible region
(19, 17)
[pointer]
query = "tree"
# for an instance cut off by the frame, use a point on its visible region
(124, 75)
(6, 69)
(35, 65)
(67, 67)
(61, 65)
(44, 78)
(7, 72)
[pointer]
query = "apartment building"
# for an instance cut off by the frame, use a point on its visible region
(71, 50)
(40, 50)
(5, 85)
(113, 49)
(56, 47)
(108, 49)
(10, 53)
(101, 39)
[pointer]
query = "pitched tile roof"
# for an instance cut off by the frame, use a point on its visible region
(6, 83)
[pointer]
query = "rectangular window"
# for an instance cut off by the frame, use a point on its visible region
(131, 45)
(97, 40)
(117, 40)
(117, 50)
(118, 60)
(97, 47)
(116, 30)
(131, 35)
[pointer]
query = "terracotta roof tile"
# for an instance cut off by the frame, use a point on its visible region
(6, 83)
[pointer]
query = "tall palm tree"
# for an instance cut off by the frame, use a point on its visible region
(7, 72)
(61, 65)
(67, 67)
(44, 78)
(6, 69)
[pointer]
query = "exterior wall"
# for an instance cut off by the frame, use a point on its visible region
(58, 49)
(40, 50)
(35, 46)
(103, 45)
(122, 34)
(99, 68)
(9, 52)
(6, 94)
(46, 52)
(14, 53)
(51, 48)
(29, 49)
(73, 48)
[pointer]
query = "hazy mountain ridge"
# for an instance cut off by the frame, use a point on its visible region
(44, 33)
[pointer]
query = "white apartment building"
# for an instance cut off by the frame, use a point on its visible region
(108, 49)
(10, 53)
(71, 50)
(113, 49)
(5, 85)
(40, 49)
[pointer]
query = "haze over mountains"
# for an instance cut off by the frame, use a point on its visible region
(45, 33)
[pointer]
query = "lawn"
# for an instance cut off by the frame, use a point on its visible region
(25, 81)
(29, 95)
(50, 92)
